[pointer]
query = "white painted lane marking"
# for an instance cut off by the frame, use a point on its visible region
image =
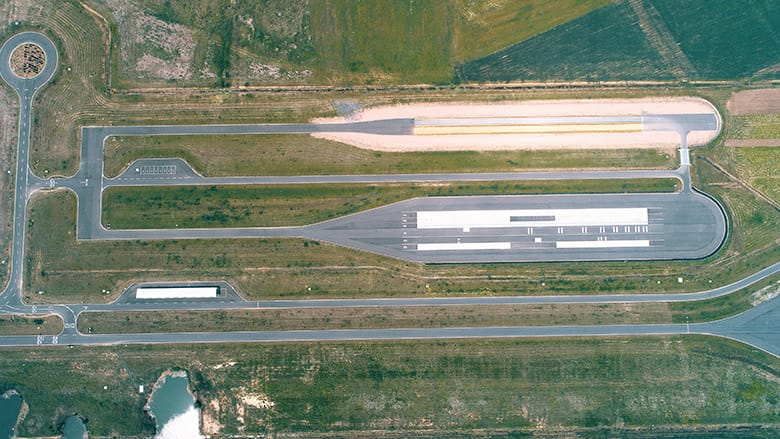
(465, 246)
(603, 244)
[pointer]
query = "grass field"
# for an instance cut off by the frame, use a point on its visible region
(383, 40)
(345, 41)
(446, 386)
(604, 44)
(232, 155)
(646, 39)
(25, 325)
(487, 27)
(726, 306)
(275, 205)
(760, 168)
(8, 121)
(391, 317)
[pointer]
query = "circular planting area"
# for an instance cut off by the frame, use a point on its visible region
(28, 60)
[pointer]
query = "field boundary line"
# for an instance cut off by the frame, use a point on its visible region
(742, 183)
(662, 40)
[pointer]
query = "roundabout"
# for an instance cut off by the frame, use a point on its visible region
(27, 61)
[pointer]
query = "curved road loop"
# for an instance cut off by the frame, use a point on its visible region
(758, 326)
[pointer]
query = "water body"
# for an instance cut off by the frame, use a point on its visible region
(173, 408)
(10, 405)
(74, 428)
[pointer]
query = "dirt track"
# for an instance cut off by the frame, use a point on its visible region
(755, 102)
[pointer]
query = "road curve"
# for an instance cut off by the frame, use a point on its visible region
(26, 88)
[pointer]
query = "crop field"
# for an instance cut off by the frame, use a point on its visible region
(757, 165)
(434, 387)
(69, 271)
(755, 126)
(296, 205)
(725, 39)
(760, 167)
(646, 39)
(604, 44)
(487, 27)
(241, 155)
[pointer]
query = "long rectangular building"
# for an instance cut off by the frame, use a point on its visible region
(177, 293)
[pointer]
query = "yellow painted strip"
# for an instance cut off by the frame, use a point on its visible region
(526, 129)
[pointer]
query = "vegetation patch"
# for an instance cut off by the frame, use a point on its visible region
(604, 44)
(487, 27)
(385, 317)
(724, 306)
(30, 325)
(239, 155)
(28, 60)
(361, 389)
(157, 207)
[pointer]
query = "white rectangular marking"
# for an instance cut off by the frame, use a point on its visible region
(603, 244)
(461, 219)
(465, 246)
(177, 293)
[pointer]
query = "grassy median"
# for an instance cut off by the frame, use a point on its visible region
(297, 154)
(280, 205)
(726, 306)
(30, 325)
(430, 316)
(385, 317)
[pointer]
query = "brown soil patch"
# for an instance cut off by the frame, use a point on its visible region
(752, 142)
(28, 60)
(755, 102)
